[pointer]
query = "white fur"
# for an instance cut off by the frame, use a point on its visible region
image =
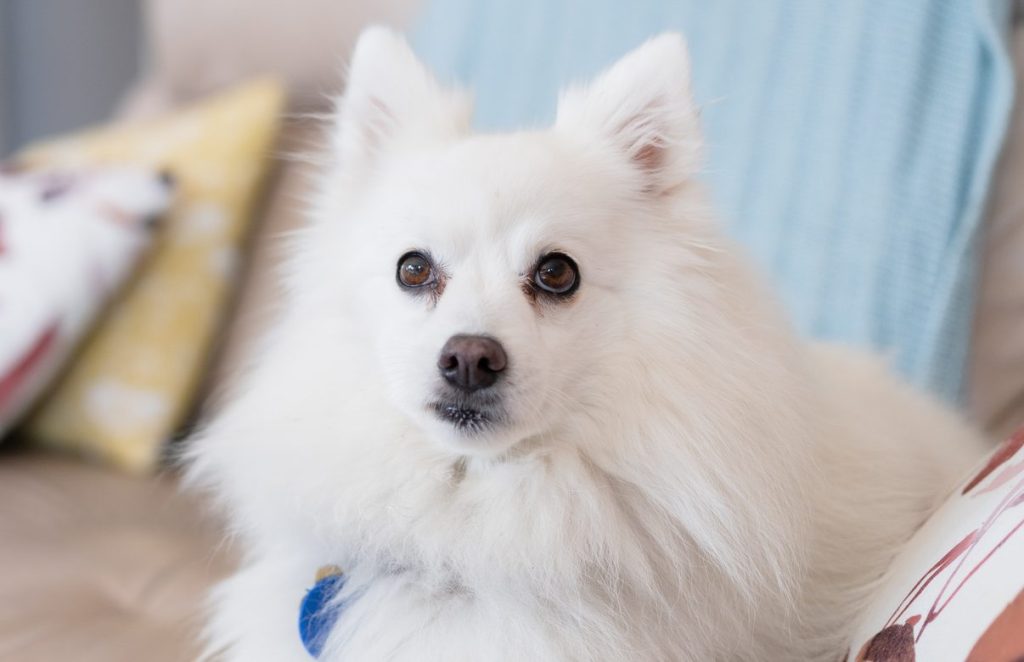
(681, 478)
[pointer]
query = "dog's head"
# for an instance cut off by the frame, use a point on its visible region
(491, 276)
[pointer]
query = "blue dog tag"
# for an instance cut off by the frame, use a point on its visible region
(317, 614)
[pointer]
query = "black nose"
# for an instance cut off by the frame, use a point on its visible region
(471, 363)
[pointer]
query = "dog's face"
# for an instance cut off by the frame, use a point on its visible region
(486, 289)
(491, 274)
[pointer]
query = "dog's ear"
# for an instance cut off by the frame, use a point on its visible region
(390, 97)
(642, 106)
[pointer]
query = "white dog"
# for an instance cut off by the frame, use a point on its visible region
(536, 407)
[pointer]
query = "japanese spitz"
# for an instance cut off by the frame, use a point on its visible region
(535, 407)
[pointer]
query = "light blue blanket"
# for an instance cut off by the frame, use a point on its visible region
(850, 142)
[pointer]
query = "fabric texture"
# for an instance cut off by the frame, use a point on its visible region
(68, 240)
(128, 390)
(956, 591)
(997, 360)
(850, 144)
(100, 566)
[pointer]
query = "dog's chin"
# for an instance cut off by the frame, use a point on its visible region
(469, 428)
(466, 418)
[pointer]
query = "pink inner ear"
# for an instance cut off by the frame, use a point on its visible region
(649, 154)
(646, 146)
(382, 115)
(650, 157)
(371, 121)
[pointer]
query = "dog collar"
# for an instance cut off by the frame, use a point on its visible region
(319, 611)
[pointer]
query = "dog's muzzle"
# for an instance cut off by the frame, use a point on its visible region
(471, 367)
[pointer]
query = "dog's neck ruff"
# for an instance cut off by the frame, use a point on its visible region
(320, 609)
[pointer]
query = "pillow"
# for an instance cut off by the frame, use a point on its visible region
(129, 389)
(68, 239)
(956, 592)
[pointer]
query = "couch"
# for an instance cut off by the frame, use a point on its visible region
(99, 566)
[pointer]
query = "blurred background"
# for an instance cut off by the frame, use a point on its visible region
(64, 65)
(870, 156)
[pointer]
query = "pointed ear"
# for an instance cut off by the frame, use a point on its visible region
(643, 107)
(390, 97)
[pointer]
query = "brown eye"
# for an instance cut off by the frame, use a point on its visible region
(557, 274)
(415, 270)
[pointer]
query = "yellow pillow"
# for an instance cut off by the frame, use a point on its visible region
(133, 381)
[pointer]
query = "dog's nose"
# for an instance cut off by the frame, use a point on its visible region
(471, 363)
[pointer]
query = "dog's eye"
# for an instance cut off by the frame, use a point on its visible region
(557, 274)
(415, 270)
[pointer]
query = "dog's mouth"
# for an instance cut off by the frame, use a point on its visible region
(465, 417)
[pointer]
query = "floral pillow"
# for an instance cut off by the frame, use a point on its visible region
(957, 591)
(133, 382)
(68, 239)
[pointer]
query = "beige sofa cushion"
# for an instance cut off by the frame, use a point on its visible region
(997, 366)
(196, 47)
(98, 566)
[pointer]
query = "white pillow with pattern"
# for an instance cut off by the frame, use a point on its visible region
(956, 592)
(68, 240)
